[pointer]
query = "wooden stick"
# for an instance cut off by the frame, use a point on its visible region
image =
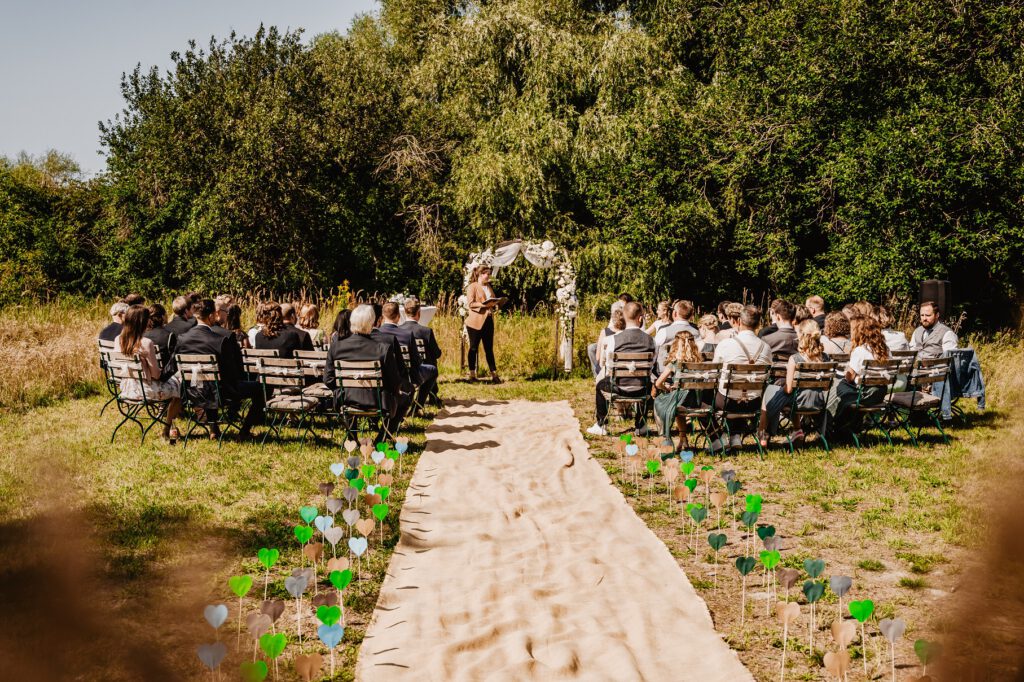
(785, 636)
(864, 649)
(238, 639)
(743, 603)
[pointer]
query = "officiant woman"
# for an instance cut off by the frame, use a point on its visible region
(480, 320)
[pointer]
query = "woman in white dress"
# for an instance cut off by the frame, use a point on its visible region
(133, 343)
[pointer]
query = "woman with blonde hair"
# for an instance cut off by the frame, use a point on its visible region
(132, 341)
(667, 398)
(663, 319)
(732, 313)
(708, 328)
(309, 322)
(778, 398)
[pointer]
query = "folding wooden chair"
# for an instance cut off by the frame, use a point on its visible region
(124, 369)
(366, 375)
(313, 363)
(879, 377)
(201, 385)
(105, 349)
(701, 379)
(751, 379)
(810, 376)
(282, 380)
(637, 368)
(252, 356)
(919, 400)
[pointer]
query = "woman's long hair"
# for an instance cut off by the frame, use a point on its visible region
(837, 326)
(618, 321)
(808, 341)
(273, 321)
(866, 332)
(341, 329)
(309, 316)
(479, 270)
(684, 349)
(234, 321)
(135, 322)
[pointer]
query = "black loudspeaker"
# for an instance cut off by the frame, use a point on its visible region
(938, 290)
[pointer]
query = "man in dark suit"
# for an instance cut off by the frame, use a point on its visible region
(290, 318)
(632, 339)
(361, 346)
(203, 339)
(112, 330)
(816, 304)
(432, 352)
(183, 320)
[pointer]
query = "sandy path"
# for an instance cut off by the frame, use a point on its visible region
(519, 560)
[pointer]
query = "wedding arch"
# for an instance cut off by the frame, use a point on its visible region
(544, 255)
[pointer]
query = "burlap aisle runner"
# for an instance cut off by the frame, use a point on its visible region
(520, 560)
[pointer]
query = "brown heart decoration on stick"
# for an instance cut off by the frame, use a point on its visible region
(843, 632)
(337, 564)
(837, 663)
(365, 527)
(308, 666)
(786, 612)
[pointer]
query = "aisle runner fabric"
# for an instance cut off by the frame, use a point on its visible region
(520, 560)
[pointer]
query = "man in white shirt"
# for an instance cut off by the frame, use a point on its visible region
(743, 349)
(931, 340)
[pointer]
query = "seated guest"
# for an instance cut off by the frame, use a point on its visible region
(816, 304)
(708, 328)
(407, 379)
(340, 329)
(274, 336)
(723, 316)
(134, 299)
(863, 308)
(732, 314)
(835, 337)
(204, 340)
(183, 318)
(802, 313)
(360, 346)
(390, 326)
(742, 349)
(632, 339)
(309, 322)
(222, 303)
(771, 327)
(668, 398)
(290, 320)
(233, 323)
(432, 351)
(932, 338)
(111, 331)
(783, 340)
(158, 333)
(682, 313)
(893, 339)
(615, 325)
(849, 311)
(594, 348)
(663, 318)
(778, 398)
(132, 342)
(261, 319)
(867, 344)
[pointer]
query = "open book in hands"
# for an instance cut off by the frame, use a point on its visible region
(495, 302)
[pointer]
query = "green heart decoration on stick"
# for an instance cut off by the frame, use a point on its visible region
(686, 468)
(380, 511)
(383, 491)
(814, 591)
(690, 483)
(754, 503)
(653, 466)
(770, 559)
(267, 557)
(273, 645)
(328, 615)
(749, 519)
(308, 514)
(814, 567)
(717, 542)
(358, 484)
(303, 534)
(744, 564)
(368, 470)
(926, 653)
(732, 487)
(861, 611)
(340, 580)
(698, 512)
(240, 585)
(765, 531)
(255, 671)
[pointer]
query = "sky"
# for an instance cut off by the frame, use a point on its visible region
(61, 62)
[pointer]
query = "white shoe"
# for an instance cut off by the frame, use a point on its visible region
(597, 430)
(736, 440)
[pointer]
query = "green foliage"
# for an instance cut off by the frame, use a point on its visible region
(679, 147)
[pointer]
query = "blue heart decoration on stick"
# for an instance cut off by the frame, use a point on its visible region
(331, 635)
(358, 545)
(686, 455)
(322, 523)
(338, 469)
